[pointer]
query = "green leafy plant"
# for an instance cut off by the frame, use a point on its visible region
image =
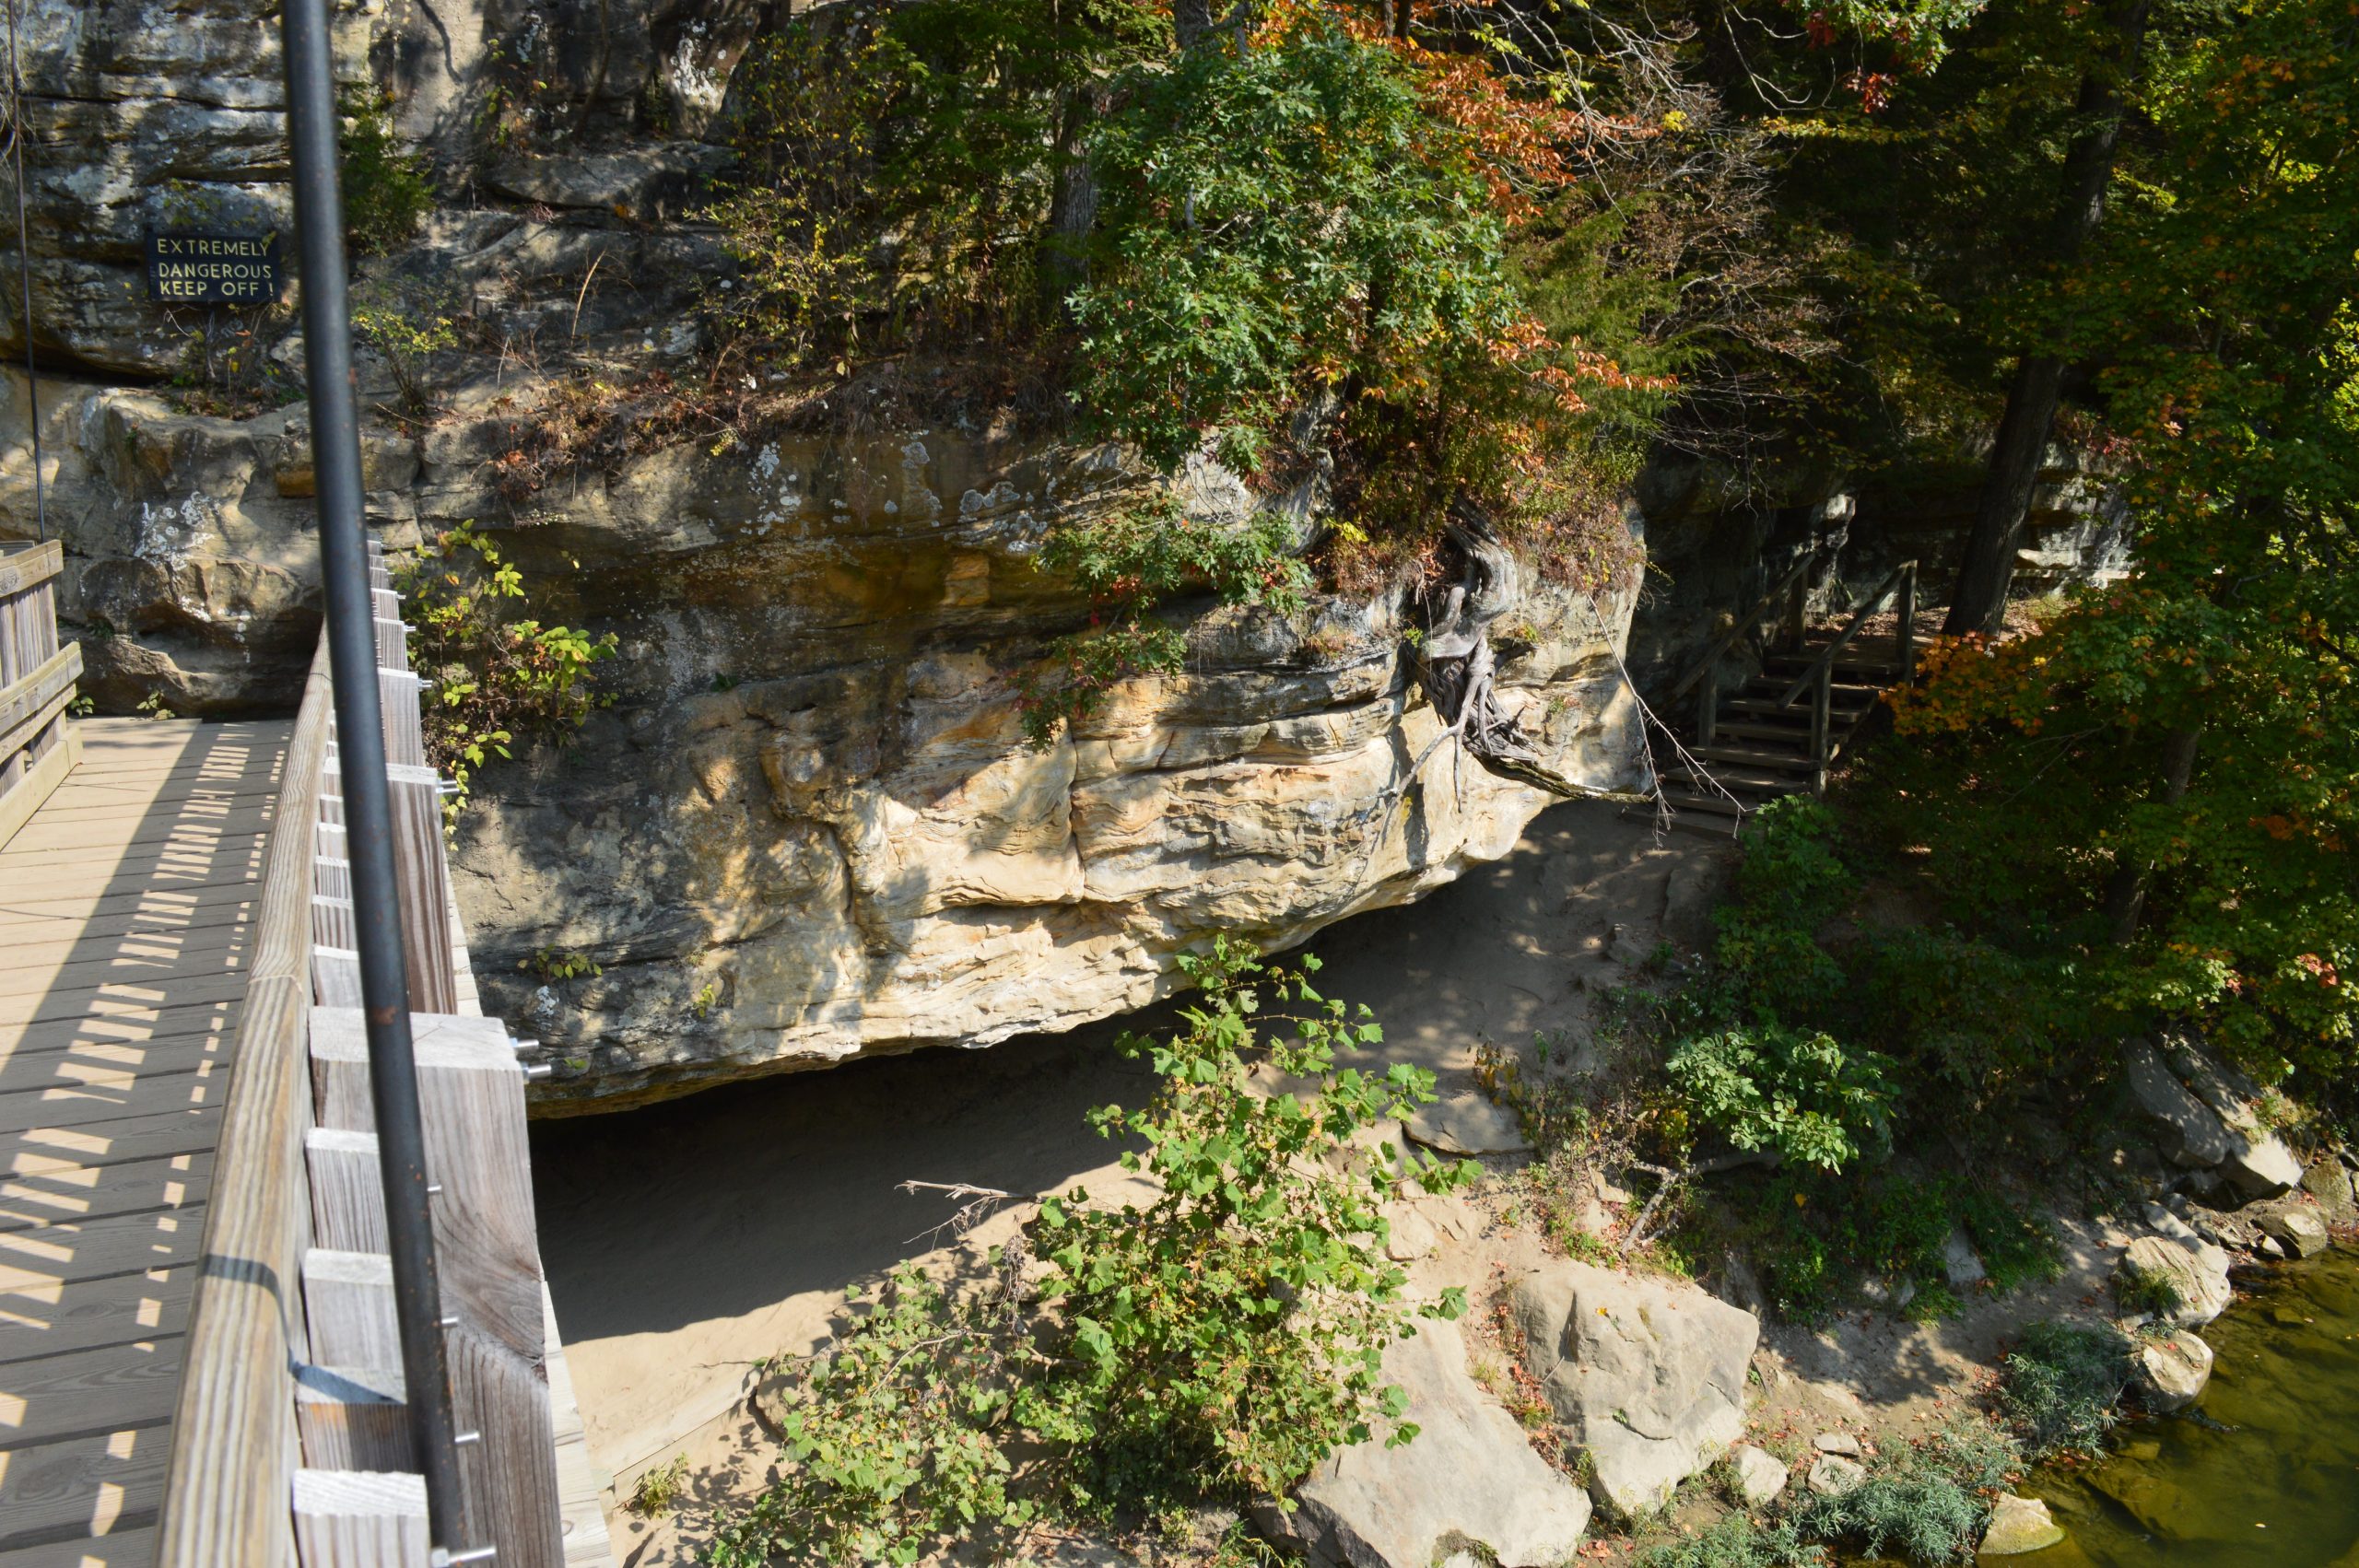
(1216, 1339)
(152, 706)
(659, 1488)
(407, 327)
(1799, 1093)
(555, 964)
(1739, 1540)
(1929, 1503)
(1227, 1335)
(500, 681)
(2058, 1386)
(384, 185)
(706, 996)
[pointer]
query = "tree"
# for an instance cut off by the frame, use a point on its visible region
(1979, 602)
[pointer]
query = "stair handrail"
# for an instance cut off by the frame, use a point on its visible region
(1823, 667)
(1744, 625)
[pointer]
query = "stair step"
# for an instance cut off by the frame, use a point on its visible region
(1737, 780)
(1794, 730)
(1843, 713)
(1748, 756)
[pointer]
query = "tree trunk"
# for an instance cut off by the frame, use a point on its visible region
(2125, 894)
(1190, 19)
(1073, 205)
(1979, 604)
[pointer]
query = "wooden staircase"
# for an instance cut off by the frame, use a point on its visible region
(1779, 729)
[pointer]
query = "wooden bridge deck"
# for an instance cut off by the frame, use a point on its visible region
(127, 909)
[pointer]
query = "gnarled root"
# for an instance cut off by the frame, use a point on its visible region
(1459, 670)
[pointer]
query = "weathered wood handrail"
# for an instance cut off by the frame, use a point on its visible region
(37, 676)
(1743, 625)
(231, 1469)
(1901, 578)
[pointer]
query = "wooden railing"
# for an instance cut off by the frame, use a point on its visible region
(37, 676)
(1819, 678)
(292, 1442)
(1790, 596)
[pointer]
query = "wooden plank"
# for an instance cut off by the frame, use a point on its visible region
(117, 1549)
(349, 1303)
(121, 1040)
(192, 855)
(348, 1190)
(61, 1193)
(416, 805)
(27, 729)
(156, 940)
(352, 1418)
(227, 1480)
(147, 1002)
(182, 823)
(69, 1104)
(28, 919)
(91, 1314)
(88, 1393)
(25, 797)
(127, 1138)
(55, 1492)
(356, 1519)
(28, 566)
(35, 1265)
(39, 689)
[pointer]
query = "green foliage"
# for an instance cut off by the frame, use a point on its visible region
(500, 681)
(1130, 560)
(1215, 1340)
(659, 1488)
(891, 1445)
(557, 963)
(1225, 1336)
(405, 324)
(384, 185)
(1800, 1095)
(1789, 883)
(2058, 1386)
(1819, 1234)
(1929, 1503)
(1738, 1542)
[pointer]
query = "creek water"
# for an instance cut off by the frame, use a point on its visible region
(2263, 1472)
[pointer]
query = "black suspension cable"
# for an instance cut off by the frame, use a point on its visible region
(25, 270)
(312, 127)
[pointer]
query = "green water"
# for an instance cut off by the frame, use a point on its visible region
(2274, 1484)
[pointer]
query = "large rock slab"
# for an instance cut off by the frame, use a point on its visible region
(2188, 1131)
(2298, 1229)
(2173, 1370)
(2195, 1277)
(2258, 1164)
(1648, 1377)
(2019, 1524)
(1469, 1480)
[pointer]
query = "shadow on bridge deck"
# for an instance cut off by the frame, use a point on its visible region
(126, 926)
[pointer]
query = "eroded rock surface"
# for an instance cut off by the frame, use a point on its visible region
(1648, 1377)
(1469, 1481)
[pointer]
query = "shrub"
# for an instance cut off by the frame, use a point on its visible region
(1799, 1093)
(1928, 1504)
(385, 189)
(1227, 1335)
(1738, 1541)
(1217, 1341)
(2058, 1386)
(498, 682)
(1789, 883)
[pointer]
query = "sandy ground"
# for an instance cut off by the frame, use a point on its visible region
(688, 1242)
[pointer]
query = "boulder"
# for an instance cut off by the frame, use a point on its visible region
(2261, 1169)
(2019, 1524)
(2258, 1164)
(2298, 1229)
(2172, 1369)
(1841, 1443)
(1960, 1263)
(2188, 1131)
(1469, 1480)
(1467, 1124)
(1648, 1376)
(2328, 1186)
(2196, 1278)
(1760, 1477)
(1832, 1475)
(1411, 1236)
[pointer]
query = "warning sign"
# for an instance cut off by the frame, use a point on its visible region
(213, 269)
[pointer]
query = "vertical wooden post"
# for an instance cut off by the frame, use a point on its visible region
(1908, 624)
(1822, 726)
(359, 1519)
